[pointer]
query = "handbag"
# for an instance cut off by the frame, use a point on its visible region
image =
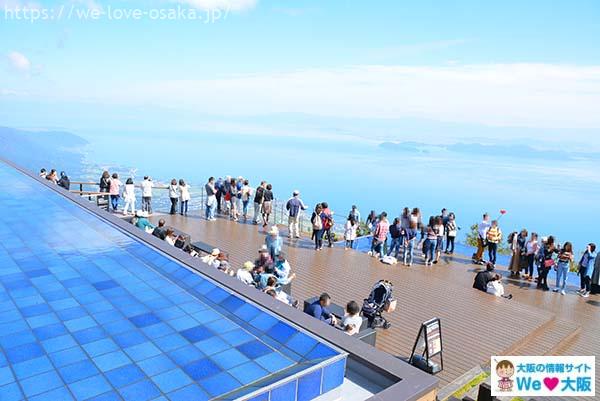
(548, 263)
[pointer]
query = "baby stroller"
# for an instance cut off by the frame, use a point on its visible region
(380, 300)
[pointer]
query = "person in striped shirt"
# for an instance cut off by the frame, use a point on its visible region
(494, 236)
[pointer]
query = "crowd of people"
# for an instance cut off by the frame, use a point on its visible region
(533, 258)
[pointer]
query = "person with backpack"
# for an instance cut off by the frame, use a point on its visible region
(259, 196)
(518, 260)
(327, 217)
(317, 227)
(494, 236)
(586, 269)
(565, 257)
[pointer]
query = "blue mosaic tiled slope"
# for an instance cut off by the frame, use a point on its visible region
(88, 312)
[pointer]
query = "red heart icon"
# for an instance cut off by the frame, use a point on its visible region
(551, 382)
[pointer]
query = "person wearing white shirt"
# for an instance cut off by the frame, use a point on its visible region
(147, 186)
(129, 196)
(495, 287)
(482, 230)
(352, 321)
(184, 197)
(244, 274)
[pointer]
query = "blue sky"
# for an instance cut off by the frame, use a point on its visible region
(534, 64)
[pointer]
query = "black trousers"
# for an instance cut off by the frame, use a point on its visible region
(450, 243)
(174, 205)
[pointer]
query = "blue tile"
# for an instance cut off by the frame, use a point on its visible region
(78, 371)
(32, 367)
(58, 394)
(301, 343)
(147, 319)
(285, 392)
(124, 375)
(71, 313)
(281, 332)
(42, 320)
(219, 384)
(105, 285)
(24, 352)
(41, 383)
(254, 349)
(6, 376)
(80, 324)
(90, 387)
(68, 356)
(59, 343)
(11, 392)
(274, 362)
(111, 361)
(263, 321)
(309, 386)
(333, 375)
(222, 326)
(100, 347)
(158, 330)
(191, 392)
(212, 346)
(321, 351)
(197, 333)
(156, 365)
(140, 391)
(34, 310)
(183, 323)
(50, 331)
(37, 273)
(260, 397)
(170, 342)
(232, 303)
(248, 373)
(119, 326)
(109, 396)
(229, 359)
(142, 351)
(89, 335)
(185, 355)
(201, 369)
(129, 339)
(16, 339)
(171, 380)
(237, 337)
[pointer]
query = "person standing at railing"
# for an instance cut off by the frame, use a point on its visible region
(104, 183)
(218, 193)
(327, 217)
(129, 196)
(267, 205)
(294, 206)
(211, 199)
(350, 232)
(233, 200)
(114, 190)
(317, 227)
(173, 195)
(147, 186)
(355, 213)
(259, 197)
(184, 197)
(246, 193)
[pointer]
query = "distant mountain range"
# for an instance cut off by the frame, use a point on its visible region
(37, 149)
(504, 151)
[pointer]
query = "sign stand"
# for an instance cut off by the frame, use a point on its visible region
(429, 342)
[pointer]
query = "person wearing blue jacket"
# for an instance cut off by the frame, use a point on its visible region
(318, 309)
(294, 206)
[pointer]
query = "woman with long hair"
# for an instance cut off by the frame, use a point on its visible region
(565, 257)
(317, 227)
(184, 197)
(518, 260)
(114, 191)
(548, 262)
(173, 195)
(129, 196)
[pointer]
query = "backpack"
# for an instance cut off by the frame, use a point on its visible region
(316, 221)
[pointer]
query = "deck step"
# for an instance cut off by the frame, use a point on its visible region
(548, 339)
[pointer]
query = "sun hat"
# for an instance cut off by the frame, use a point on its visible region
(215, 252)
(248, 265)
(263, 248)
(274, 230)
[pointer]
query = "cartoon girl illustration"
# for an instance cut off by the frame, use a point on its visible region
(505, 370)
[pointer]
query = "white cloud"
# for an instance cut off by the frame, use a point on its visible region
(18, 61)
(529, 95)
(229, 5)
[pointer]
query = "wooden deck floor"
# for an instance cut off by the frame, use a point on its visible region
(475, 325)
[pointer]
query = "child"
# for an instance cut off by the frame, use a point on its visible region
(352, 318)
(350, 232)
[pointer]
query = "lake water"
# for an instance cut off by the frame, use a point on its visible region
(551, 197)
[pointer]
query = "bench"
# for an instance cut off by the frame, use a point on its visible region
(365, 333)
(200, 246)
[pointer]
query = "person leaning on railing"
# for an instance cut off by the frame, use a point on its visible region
(294, 206)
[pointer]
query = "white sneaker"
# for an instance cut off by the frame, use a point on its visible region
(585, 295)
(555, 290)
(562, 292)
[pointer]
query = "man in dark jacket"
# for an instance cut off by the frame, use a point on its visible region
(294, 206)
(64, 181)
(318, 309)
(160, 231)
(483, 278)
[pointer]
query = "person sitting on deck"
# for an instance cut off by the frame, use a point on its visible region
(352, 318)
(160, 231)
(244, 274)
(318, 309)
(222, 264)
(273, 242)
(52, 177)
(180, 241)
(42, 173)
(141, 221)
(211, 258)
(483, 278)
(282, 270)
(496, 288)
(64, 181)
(170, 237)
